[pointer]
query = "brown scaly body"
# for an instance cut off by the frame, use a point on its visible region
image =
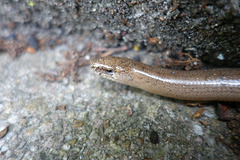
(199, 85)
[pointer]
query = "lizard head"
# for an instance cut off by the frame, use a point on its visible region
(113, 68)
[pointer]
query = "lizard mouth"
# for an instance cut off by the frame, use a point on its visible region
(103, 71)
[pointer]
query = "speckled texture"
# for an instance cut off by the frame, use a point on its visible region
(206, 29)
(102, 120)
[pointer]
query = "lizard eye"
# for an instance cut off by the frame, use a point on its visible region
(109, 71)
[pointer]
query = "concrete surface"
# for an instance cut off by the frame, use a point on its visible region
(102, 119)
(205, 29)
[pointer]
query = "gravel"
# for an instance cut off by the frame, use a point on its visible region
(102, 119)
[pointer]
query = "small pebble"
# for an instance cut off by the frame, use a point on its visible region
(220, 56)
(198, 130)
(66, 147)
(33, 148)
(154, 138)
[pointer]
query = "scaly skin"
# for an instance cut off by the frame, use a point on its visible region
(198, 85)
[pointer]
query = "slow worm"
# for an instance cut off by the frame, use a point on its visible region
(198, 85)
